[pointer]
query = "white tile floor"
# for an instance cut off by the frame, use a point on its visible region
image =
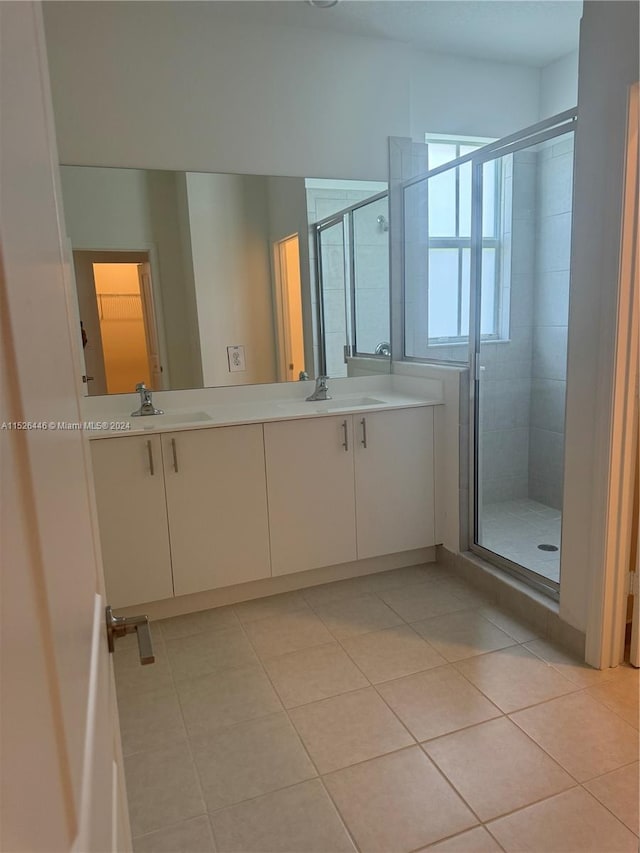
(395, 712)
(515, 528)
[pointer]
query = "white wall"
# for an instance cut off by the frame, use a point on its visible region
(228, 217)
(470, 97)
(608, 65)
(559, 85)
(192, 91)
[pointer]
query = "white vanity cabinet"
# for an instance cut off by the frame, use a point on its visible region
(311, 493)
(181, 512)
(198, 509)
(350, 487)
(394, 477)
(132, 516)
(217, 506)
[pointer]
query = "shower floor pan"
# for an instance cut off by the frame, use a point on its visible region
(517, 528)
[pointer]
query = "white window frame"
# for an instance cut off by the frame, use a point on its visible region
(500, 326)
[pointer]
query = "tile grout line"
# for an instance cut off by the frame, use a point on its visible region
(551, 797)
(189, 752)
(612, 710)
(604, 805)
(416, 743)
(504, 714)
(306, 751)
(339, 642)
(451, 837)
(189, 749)
(562, 767)
(195, 765)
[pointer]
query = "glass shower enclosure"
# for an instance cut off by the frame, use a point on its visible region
(486, 282)
(352, 257)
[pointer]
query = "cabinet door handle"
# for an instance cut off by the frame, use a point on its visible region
(363, 423)
(345, 443)
(150, 452)
(175, 455)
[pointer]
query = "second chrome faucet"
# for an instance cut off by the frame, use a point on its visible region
(321, 391)
(146, 402)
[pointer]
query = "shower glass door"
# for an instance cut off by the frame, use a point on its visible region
(332, 247)
(521, 242)
(352, 248)
(370, 278)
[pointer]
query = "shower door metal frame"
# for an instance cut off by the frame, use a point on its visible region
(559, 125)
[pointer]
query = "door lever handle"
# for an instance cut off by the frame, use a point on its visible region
(119, 626)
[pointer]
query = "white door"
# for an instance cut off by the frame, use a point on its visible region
(291, 342)
(150, 326)
(62, 787)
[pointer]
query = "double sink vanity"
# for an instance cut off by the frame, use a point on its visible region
(235, 485)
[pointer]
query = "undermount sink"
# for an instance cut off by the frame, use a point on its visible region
(336, 404)
(151, 421)
(340, 403)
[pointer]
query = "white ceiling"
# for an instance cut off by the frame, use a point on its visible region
(528, 32)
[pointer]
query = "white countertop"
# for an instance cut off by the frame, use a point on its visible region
(200, 416)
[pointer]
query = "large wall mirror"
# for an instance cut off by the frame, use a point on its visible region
(190, 280)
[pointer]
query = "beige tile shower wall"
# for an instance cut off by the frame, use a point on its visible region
(550, 319)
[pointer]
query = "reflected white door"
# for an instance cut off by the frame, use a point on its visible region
(290, 310)
(62, 785)
(150, 326)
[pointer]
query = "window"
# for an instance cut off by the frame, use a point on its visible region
(449, 244)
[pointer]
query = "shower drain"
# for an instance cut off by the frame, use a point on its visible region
(546, 547)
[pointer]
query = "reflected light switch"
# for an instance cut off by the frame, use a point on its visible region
(236, 359)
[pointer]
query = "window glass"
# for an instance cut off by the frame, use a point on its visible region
(440, 153)
(443, 293)
(466, 288)
(464, 196)
(438, 252)
(488, 307)
(442, 204)
(489, 199)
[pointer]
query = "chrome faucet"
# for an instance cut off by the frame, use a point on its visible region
(146, 402)
(321, 390)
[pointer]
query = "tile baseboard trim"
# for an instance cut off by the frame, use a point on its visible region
(515, 596)
(264, 587)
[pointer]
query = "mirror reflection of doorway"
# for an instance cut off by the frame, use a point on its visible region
(291, 325)
(115, 297)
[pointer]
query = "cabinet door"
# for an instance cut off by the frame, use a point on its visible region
(311, 493)
(394, 481)
(217, 506)
(132, 518)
